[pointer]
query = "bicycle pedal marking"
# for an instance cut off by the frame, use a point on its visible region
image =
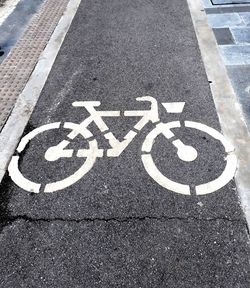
(184, 152)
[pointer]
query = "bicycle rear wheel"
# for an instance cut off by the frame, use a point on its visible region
(90, 154)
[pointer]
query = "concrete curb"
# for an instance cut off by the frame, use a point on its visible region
(27, 100)
(229, 111)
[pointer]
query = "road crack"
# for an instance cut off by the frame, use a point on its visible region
(118, 219)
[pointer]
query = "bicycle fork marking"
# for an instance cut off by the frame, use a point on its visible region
(184, 152)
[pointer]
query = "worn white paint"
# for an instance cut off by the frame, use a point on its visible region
(117, 146)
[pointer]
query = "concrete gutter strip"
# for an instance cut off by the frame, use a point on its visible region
(229, 111)
(27, 100)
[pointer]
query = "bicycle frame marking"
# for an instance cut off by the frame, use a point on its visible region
(119, 146)
(97, 117)
(185, 152)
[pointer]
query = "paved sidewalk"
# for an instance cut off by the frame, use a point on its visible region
(141, 219)
(23, 36)
(231, 26)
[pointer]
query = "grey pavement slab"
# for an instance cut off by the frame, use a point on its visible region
(236, 54)
(239, 76)
(233, 37)
(111, 228)
(209, 4)
(226, 9)
(221, 2)
(242, 35)
(223, 36)
(225, 20)
(246, 17)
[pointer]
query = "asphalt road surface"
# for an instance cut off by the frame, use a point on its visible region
(117, 226)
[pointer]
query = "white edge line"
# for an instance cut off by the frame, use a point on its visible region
(227, 106)
(18, 119)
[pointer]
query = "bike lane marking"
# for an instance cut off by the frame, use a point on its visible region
(118, 215)
(185, 152)
(173, 107)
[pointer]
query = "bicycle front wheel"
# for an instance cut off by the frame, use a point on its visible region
(201, 189)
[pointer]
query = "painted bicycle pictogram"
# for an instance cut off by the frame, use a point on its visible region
(185, 152)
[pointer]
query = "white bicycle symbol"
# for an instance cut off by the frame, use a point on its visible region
(184, 152)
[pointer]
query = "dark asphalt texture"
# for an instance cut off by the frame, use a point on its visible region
(117, 227)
